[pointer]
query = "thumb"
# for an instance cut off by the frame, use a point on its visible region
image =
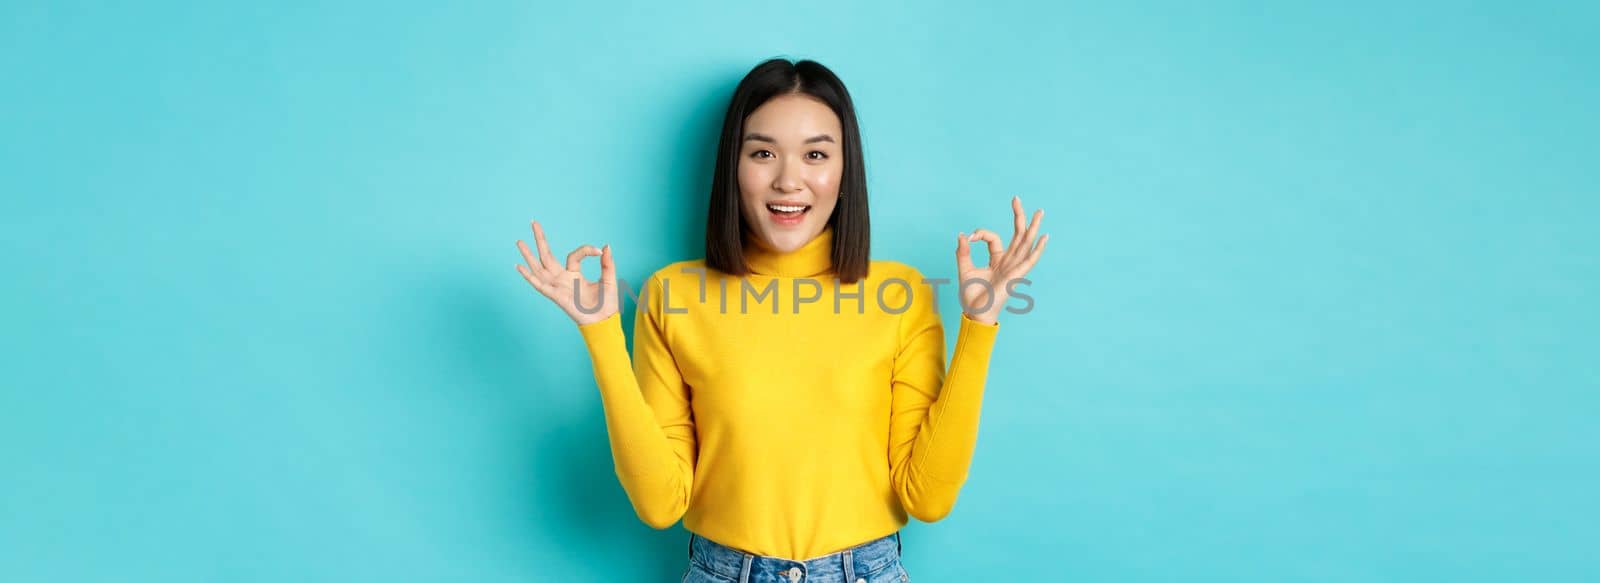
(963, 254)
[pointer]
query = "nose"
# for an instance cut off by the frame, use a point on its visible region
(788, 178)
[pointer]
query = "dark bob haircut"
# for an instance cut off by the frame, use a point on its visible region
(725, 225)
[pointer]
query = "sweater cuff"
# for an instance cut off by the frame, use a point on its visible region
(967, 320)
(604, 338)
(974, 343)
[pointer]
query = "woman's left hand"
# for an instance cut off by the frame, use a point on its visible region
(983, 302)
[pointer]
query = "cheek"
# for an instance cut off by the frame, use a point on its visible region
(752, 180)
(824, 181)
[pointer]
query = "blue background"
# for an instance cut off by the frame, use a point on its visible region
(1316, 306)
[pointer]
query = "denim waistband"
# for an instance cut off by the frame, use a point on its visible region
(863, 560)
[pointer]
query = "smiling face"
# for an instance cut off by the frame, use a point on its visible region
(790, 163)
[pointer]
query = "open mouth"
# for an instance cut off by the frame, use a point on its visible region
(788, 212)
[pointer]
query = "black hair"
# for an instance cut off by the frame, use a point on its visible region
(725, 224)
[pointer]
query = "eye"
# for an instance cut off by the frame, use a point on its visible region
(758, 154)
(820, 155)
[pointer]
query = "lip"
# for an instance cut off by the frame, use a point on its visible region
(783, 221)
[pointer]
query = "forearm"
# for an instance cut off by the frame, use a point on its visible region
(945, 445)
(650, 470)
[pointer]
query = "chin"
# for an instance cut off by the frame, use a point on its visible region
(789, 238)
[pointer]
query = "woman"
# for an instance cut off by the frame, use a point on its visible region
(787, 396)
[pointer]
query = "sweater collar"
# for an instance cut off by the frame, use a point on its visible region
(813, 258)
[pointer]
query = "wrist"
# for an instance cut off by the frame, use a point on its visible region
(588, 320)
(989, 319)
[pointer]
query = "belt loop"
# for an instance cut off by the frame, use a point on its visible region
(899, 548)
(849, 566)
(744, 573)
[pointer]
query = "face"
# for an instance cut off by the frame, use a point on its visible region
(790, 162)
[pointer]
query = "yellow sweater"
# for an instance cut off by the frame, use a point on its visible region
(789, 428)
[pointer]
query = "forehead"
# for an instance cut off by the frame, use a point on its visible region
(795, 116)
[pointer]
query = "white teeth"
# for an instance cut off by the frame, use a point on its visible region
(786, 209)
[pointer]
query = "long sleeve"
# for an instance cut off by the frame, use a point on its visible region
(933, 427)
(647, 411)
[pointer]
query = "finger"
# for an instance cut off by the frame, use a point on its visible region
(1033, 256)
(608, 267)
(537, 284)
(1027, 241)
(544, 248)
(1016, 212)
(996, 249)
(963, 254)
(575, 258)
(527, 255)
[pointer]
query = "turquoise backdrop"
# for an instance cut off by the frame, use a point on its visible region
(1320, 287)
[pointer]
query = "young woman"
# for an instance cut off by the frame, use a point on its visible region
(787, 395)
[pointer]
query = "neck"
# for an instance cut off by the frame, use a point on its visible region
(811, 259)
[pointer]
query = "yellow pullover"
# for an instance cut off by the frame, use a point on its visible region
(780, 414)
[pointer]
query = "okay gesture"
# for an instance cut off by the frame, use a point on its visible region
(586, 302)
(1006, 263)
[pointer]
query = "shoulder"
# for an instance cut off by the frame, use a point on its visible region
(673, 278)
(884, 270)
(901, 284)
(688, 269)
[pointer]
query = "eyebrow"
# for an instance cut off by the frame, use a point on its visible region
(766, 138)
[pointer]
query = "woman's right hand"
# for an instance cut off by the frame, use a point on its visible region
(593, 301)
